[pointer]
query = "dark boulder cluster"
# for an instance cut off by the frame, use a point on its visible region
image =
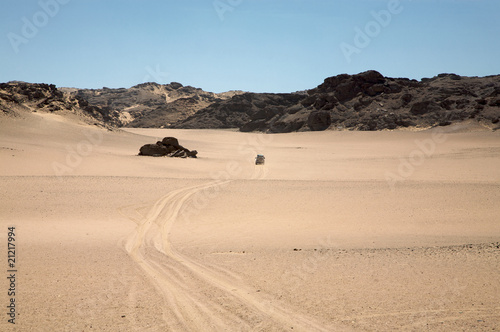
(168, 147)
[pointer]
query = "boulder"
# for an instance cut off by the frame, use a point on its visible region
(192, 154)
(424, 107)
(169, 146)
(319, 120)
(154, 150)
(170, 141)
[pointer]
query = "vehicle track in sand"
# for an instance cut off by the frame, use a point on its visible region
(201, 297)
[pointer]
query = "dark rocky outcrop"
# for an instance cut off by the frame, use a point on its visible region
(168, 147)
(423, 107)
(366, 101)
(319, 120)
(18, 96)
(241, 110)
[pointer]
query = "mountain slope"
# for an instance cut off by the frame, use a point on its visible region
(366, 101)
(19, 97)
(241, 109)
(151, 104)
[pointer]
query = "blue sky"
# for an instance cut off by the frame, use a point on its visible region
(251, 45)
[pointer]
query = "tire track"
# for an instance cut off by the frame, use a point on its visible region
(180, 278)
(184, 313)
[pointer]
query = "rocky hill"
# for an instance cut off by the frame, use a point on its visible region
(242, 111)
(366, 101)
(150, 105)
(144, 105)
(18, 97)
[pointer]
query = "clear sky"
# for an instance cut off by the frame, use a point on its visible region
(251, 45)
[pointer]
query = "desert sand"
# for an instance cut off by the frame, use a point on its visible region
(338, 231)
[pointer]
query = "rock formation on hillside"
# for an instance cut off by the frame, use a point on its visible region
(16, 97)
(151, 105)
(168, 147)
(242, 110)
(366, 101)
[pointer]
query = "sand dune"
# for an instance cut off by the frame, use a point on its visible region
(356, 231)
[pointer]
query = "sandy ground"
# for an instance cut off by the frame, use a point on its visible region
(339, 231)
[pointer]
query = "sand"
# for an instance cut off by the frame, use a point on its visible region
(338, 231)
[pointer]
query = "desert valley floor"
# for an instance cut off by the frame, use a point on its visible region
(338, 231)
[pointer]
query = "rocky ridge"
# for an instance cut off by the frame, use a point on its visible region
(366, 101)
(243, 111)
(150, 105)
(18, 97)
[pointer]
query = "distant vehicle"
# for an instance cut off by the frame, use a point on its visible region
(260, 159)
